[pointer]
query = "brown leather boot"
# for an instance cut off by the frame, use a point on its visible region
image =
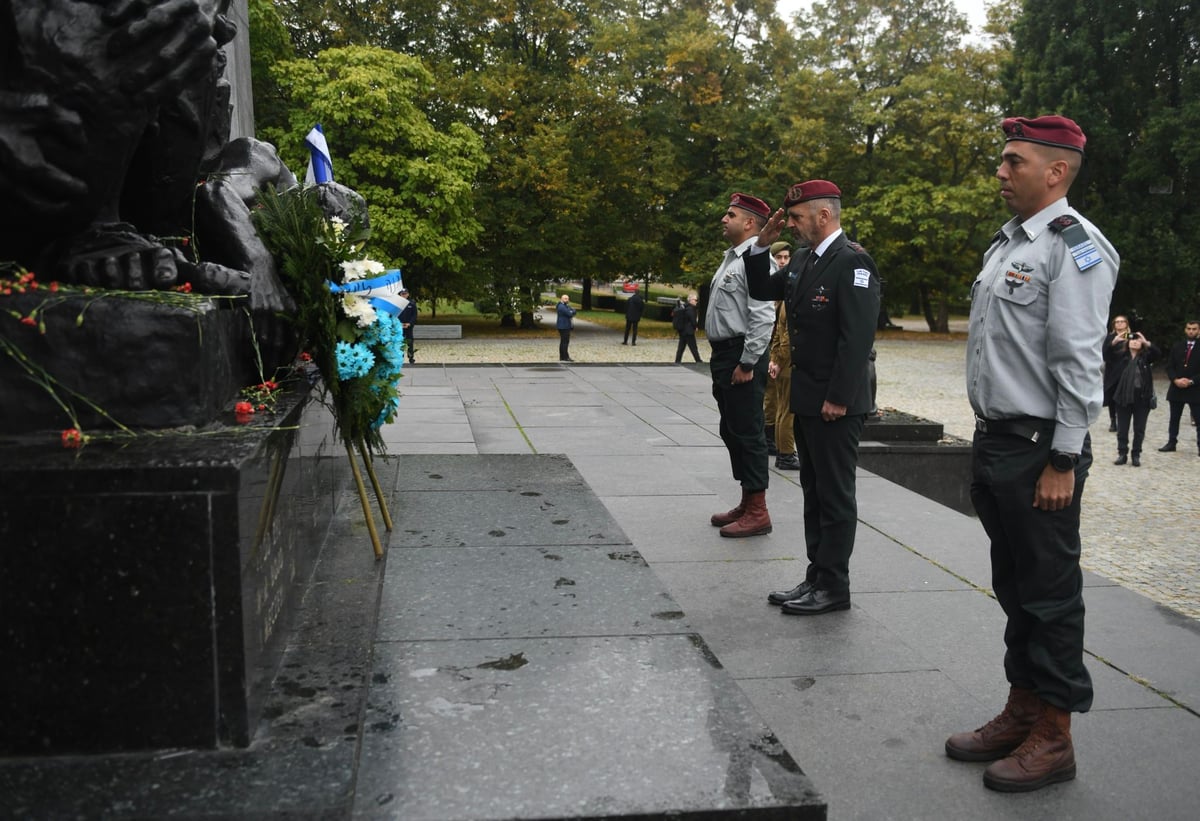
(730, 516)
(1046, 757)
(1002, 734)
(754, 522)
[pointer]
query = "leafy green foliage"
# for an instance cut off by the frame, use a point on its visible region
(309, 250)
(418, 179)
(1127, 72)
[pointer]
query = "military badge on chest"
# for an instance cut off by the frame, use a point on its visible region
(820, 298)
(1017, 276)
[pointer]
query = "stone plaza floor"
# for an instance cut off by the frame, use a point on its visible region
(1138, 528)
(557, 632)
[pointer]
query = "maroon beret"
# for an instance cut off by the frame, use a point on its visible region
(1050, 130)
(811, 190)
(752, 204)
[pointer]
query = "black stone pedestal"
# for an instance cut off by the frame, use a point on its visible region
(916, 453)
(143, 587)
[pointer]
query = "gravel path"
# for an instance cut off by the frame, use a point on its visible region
(1138, 528)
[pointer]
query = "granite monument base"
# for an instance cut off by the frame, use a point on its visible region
(916, 453)
(141, 363)
(144, 587)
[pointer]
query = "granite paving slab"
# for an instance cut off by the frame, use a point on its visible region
(473, 518)
(501, 592)
(451, 473)
(585, 727)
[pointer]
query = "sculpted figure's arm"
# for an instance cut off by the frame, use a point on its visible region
(27, 122)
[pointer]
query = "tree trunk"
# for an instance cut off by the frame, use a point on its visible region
(585, 301)
(508, 321)
(943, 317)
(527, 322)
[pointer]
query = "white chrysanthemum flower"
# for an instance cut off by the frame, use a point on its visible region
(361, 269)
(338, 225)
(359, 309)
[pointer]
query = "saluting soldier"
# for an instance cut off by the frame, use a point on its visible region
(832, 306)
(1038, 316)
(738, 327)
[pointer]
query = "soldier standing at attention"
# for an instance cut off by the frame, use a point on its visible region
(1038, 315)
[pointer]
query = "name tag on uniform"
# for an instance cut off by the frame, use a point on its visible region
(862, 278)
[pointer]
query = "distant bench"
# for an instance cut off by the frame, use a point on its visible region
(437, 331)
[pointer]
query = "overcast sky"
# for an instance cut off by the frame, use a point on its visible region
(973, 9)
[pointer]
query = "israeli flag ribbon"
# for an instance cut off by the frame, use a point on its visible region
(389, 305)
(320, 164)
(389, 284)
(382, 291)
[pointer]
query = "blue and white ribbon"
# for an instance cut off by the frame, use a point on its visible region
(383, 292)
(320, 163)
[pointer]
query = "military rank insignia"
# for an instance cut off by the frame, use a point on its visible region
(820, 299)
(1017, 276)
(1079, 243)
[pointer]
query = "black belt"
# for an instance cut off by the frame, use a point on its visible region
(722, 344)
(1031, 429)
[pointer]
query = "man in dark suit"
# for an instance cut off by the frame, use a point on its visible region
(831, 291)
(408, 322)
(1183, 369)
(633, 315)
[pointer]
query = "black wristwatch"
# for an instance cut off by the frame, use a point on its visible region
(1062, 462)
(745, 368)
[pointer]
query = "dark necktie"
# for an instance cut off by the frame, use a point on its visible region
(806, 271)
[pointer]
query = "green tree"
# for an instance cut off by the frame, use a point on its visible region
(269, 44)
(1128, 74)
(903, 115)
(418, 180)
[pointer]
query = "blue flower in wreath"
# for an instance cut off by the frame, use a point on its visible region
(384, 331)
(353, 360)
(387, 413)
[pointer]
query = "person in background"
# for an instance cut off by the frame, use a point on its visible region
(564, 322)
(1116, 357)
(1133, 397)
(684, 322)
(408, 321)
(1038, 311)
(781, 432)
(1183, 368)
(634, 306)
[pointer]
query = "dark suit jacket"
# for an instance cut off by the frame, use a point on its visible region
(831, 312)
(1176, 369)
(634, 307)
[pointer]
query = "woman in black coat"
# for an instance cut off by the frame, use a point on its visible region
(1116, 356)
(1133, 397)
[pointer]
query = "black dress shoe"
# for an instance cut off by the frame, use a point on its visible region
(1169, 447)
(781, 596)
(787, 461)
(816, 602)
(1135, 460)
(1120, 460)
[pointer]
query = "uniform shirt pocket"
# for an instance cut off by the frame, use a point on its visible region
(1018, 286)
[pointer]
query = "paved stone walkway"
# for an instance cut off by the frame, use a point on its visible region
(1139, 529)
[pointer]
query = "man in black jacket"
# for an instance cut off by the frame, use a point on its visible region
(831, 291)
(1183, 368)
(408, 321)
(633, 315)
